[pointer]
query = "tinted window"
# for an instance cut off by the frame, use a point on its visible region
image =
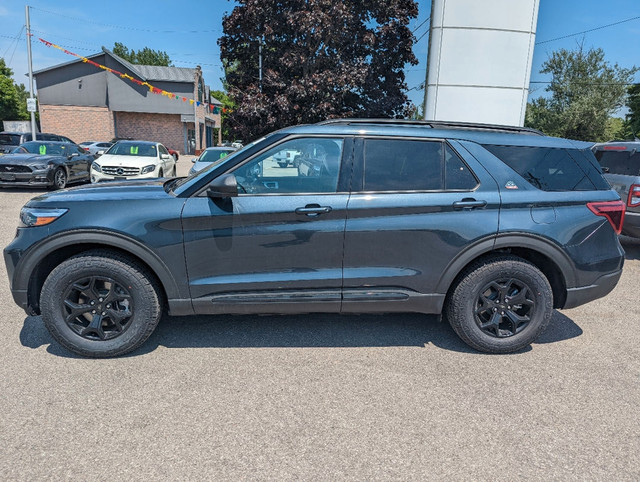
(552, 169)
(403, 165)
(315, 169)
(9, 140)
(620, 162)
(457, 176)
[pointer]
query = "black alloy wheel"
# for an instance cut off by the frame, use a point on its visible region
(97, 308)
(500, 304)
(101, 303)
(504, 307)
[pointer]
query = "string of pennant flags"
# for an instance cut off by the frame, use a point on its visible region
(154, 90)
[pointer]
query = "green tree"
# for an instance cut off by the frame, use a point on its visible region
(585, 91)
(9, 99)
(146, 56)
(633, 103)
(321, 59)
(228, 106)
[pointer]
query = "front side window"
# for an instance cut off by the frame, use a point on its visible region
(314, 168)
(163, 150)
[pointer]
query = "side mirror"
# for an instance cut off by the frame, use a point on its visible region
(194, 160)
(72, 155)
(165, 156)
(605, 170)
(99, 153)
(223, 187)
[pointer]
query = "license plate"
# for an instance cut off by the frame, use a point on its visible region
(7, 177)
(119, 178)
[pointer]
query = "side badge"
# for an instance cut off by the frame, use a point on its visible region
(511, 185)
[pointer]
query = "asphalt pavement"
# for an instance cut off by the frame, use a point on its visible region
(324, 397)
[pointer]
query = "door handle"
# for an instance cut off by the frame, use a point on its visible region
(469, 203)
(313, 210)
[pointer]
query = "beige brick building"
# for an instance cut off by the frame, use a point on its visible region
(86, 103)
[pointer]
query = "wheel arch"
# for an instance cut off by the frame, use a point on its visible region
(42, 259)
(547, 257)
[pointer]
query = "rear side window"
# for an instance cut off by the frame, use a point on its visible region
(552, 169)
(411, 165)
(9, 140)
(620, 162)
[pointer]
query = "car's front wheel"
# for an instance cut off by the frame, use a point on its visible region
(59, 178)
(500, 304)
(100, 304)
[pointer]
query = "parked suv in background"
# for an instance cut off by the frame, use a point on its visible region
(495, 226)
(620, 162)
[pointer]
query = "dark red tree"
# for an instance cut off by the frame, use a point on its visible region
(321, 59)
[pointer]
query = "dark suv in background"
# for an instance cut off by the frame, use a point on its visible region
(10, 140)
(494, 226)
(620, 161)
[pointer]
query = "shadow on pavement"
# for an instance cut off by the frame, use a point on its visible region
(321, 330)
(631, 247)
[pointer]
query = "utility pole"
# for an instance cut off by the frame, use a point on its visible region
(31, 103)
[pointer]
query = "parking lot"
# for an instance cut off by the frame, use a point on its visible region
(323, 397)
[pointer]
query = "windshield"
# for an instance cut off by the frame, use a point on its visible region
(214, 155)
(139, 149)
(45, 148)
(9, 140)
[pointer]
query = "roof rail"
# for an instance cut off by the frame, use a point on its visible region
(436, 125)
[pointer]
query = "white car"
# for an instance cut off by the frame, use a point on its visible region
(93, 147)
(133, 160)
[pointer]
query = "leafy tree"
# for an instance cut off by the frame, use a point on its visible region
(585, 91)
(321, 59)
(228, 105)
(146, 56)
(633, 103)
(9, 100)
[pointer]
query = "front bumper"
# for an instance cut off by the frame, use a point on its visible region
(100, 176)
(22, 179)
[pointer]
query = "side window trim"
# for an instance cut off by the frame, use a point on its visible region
(344, 175)
(359, 162)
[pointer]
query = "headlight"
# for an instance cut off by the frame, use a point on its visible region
(96, 167)
(40, 167)
(147, 169)
(39, 216)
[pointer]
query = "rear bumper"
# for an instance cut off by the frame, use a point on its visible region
(584, 294)
(631, 225)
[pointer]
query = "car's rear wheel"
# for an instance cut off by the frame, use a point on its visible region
(100, 304)
(500, 304)
(59, 178)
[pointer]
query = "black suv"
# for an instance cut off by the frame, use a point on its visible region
(495, 226)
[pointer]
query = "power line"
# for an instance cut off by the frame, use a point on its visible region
(16, 45)
(587, 31)
(420, 38)
(584, 83)
(425, 21)
(123, 27)
(16, 38)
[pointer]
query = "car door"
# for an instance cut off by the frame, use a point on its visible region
(416, 205)
(277, 247)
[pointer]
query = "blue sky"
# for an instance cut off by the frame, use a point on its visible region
(189, 30)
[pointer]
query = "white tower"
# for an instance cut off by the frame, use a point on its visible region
(479, 64)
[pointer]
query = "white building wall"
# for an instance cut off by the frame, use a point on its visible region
(480, 55)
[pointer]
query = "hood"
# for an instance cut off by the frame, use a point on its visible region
(131, 161)
(26, 159)
(106, 191)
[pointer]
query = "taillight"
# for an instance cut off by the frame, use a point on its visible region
(634, 196)
(612, 210)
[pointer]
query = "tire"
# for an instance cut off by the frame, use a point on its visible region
(175, 157)
(59, 179)
(481, 309)
(100, 304)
